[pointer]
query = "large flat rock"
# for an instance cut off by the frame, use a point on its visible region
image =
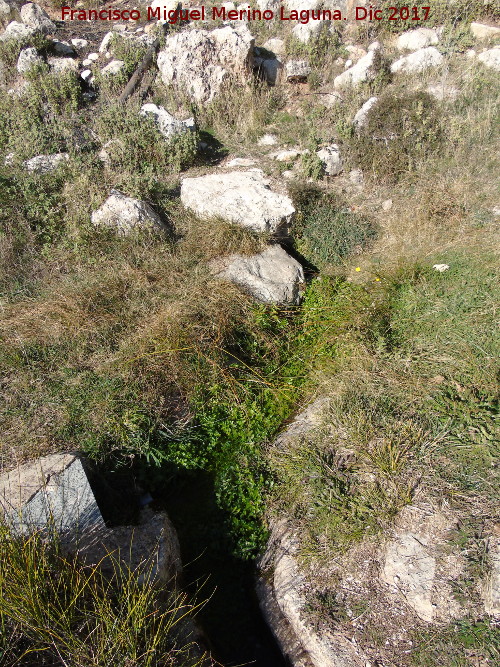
(241, 197)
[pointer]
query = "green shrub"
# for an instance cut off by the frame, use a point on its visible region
(400, 132)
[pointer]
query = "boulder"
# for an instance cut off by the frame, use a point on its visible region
(304, 32)
(5, 10)
(125, 215)
(297, 71)
(491, 58)
(105, 42)
(28, 58)
(79, 43)
(331, 159)
(43, 164)
(364, 70)
(113, 68)
(63, 48)
(63, 65)
(17, 31)
(271, 276)
(271, 69)
(361, 117)
(53, 490)
(199, 61)
(241, 197)
(276, 46)
(35, 17)
(483, 31)
(418, 61)
(414, 40)
(168, 125)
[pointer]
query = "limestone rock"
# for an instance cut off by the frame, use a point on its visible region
(43, 164)
(271, 276)
(63, 65)
(267, 140)
(276, 46)
(16, 30)
(51, 489)
(79, 43)
(491, 591)
(364, 70)
(105, 42)
(418, 61)
(414, 40)
(35, 17)
(125, 214)
(28, 58)
(241, 197)
(241, 162)
(355, 52)
(483, 31)
(168, 125)
(286, 156)
(491, 58)
(113, 68)
(361, 118)
(304, 32)
(297, 71)
(199, 61)
(331, 159)
(5, 10)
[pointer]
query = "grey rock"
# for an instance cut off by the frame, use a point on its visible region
(418, 61)
(491, 58)
(28, 58)
(43, 164)
(35, 17)
(241, 197)
(63, 65)
(16, 30)
(200, 62)
(113, 68)
(271, 276)
(63, 48)
(364, 70)
(297, 70)
(125, 215)
(304, 32)
(168, 125)
(413, 40)
(331, 159)
(361, 118)
(79, 43)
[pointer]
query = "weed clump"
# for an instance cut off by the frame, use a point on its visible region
(400, 132)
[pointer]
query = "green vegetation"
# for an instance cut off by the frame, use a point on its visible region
(56, 610)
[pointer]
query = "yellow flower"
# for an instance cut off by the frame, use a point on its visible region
(358, 268)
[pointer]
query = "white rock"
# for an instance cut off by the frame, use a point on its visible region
(268, 140)
(93, 57)
(331, 99)
(331, 159)
(168, 125)
(28, 58)
(413, 40)
(113, 68)
(86, 74)
(105, 42)
(496, 210)
(110, 147)
(348, 63)
(125, 214)
(276, 46)
(289, 174)
(241, 197)
(441, 267)
(5, 9)
(286, 156)
(228, 6)
(418, 61)
(271, 276)
(241, 162)
(374, 46)
(361, 117)
(483, 31)
(35, 17)
(16, 30)
(443, 92)
(363, 70)
(199, 61)
(491, 58)
(87, 62)
(79, 43)
(305, 31)
(387, 205)
(356, 52)
(43, 164)
(297, 70)
(491, 591)
(356, 177)
(63, 65)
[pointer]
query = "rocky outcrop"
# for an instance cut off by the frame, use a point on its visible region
(168, 126)
(125, 215)
(17, 31)
(413, 40)
(491, 58)
(483, 31)
(271, 276)
(418, 61)
(200, 62)
(241, 197)
(361, 117)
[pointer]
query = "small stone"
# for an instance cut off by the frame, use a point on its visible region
(387, 205)
(79, 43)
(86, 74)
(361, 118)
(62, 65)
(105, 42)
(356, 177)
(297, 71)
(63, 48)
(93, 57)
(268, 140)
(491, 58)
(241, 162)
(331, 159)
(441, 267)
(413, 40)
(285, 156)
